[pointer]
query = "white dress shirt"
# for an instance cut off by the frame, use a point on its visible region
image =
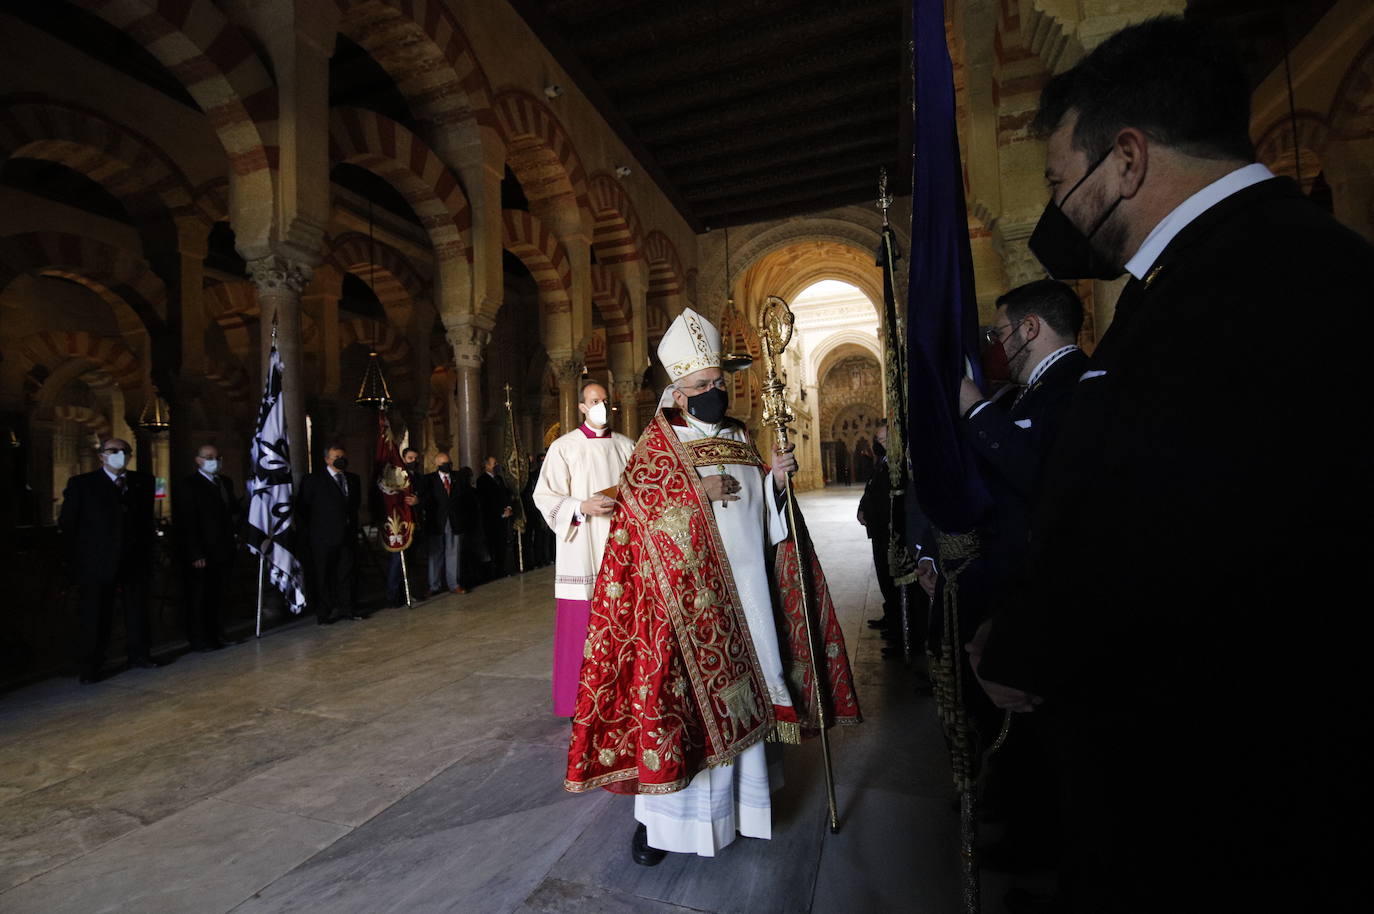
(1199, 203)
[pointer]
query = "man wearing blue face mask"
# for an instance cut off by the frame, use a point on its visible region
(107, 523)
(207, 514)
(1210, 416)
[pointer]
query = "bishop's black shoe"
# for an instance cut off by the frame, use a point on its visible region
(640, 850)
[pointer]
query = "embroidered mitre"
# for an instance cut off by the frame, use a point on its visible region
(691, 344)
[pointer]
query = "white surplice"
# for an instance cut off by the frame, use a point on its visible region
(576, 468)
(732, 798)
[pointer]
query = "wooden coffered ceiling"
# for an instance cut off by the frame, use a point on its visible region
(743, 110)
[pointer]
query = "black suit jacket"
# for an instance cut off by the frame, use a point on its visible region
(1211, 427)
(329, 520)
(876, 502)
(207, 516)
(1011, 438)
(434, 500)
(108, 534)
(493, 495)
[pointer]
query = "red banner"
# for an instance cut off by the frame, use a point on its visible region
(394, 482)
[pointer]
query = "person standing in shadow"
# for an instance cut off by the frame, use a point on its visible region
(327, 509)
(107, 523)
(207, 515)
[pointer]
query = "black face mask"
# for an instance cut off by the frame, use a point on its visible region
(341, 463)
(709, 405)
(1062, 249)
(413, 465)
(444, 467)
(878, 450)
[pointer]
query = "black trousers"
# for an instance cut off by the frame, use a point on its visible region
(204, 595)
(332, 568)
(96, 615)
(892, 606)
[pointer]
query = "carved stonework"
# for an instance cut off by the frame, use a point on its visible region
(627, 391)
(569, 371)
(469, 344)
(1019, 265)
(273, 274)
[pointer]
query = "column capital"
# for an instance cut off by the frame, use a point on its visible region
(569, 370)
(275, 273)
(627, 391)
(469, 342)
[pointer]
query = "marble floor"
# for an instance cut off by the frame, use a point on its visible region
(411, 763)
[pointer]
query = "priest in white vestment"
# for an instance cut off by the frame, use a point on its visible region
(571, 494)
(732, 798)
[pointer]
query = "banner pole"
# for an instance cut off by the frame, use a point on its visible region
(405, 577)
(262, 561)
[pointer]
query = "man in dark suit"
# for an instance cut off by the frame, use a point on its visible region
(494, 497)
(1205, 679)
(107, 523)
(440, 497)
(875, 512)
(1035, 329)
(327, 509)
(207, 515)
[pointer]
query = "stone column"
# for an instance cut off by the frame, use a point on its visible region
(43, 470)
(569, 382)
(627, 399)
(279, 283)
(468, 345)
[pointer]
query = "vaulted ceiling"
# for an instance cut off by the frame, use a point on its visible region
(743, 109)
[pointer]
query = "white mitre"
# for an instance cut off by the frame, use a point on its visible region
(691, 344)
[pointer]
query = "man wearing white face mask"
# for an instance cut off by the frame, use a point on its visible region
(207, 515)
(107, 523)
(579, 467)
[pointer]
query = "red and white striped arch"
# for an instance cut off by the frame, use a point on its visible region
(390, 345)
(123, 280)
(393, 280)
(665, 267)
(222, 72)
(543, 255)
(613, 303)
(540, 152)
(126, 164)
(616, 233)
(97, 422)
(51, 348)
(397, 156)
(422, 48)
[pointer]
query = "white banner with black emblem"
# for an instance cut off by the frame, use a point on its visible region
(270, 493)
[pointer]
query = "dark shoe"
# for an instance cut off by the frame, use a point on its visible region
(879, 622)
(640, 850)
(146, 663)
(357, 617)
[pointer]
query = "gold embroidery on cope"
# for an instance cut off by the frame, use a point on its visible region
(740, 702)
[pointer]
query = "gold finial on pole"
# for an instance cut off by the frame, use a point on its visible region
(508, 396)
(776, 323)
